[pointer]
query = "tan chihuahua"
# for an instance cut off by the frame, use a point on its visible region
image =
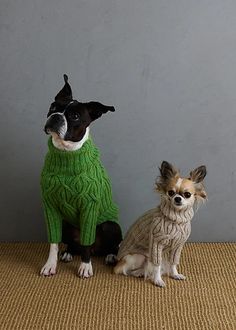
(153, 245)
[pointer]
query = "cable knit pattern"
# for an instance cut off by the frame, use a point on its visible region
(76, 187)
(159, 233)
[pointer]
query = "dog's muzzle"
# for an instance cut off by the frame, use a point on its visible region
(178, 200)
(56, 123)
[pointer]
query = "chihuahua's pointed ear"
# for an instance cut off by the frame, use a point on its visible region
(168, 171)
(198, 174)
(97, 109)
(65, 94)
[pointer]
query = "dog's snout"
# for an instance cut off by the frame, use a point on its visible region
(47, 128)
(54, 123)
(178, 199)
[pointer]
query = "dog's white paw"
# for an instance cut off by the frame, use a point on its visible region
(85, 270)
(137, 272)
(178, 277)
(159, 282)
(49, 269)
(66, 257)
(110, 259)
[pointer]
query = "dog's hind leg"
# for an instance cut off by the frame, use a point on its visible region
(132, 264)
(137, 272)
(108, 236)
(66, 256)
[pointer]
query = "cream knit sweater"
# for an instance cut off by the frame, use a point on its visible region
(159, 233)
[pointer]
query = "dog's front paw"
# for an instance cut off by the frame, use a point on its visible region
(85, 270)
(159, 282)
(153, 272)
(178, 277)
(49, 269)
(66, 256)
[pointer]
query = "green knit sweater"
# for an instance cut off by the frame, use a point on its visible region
(76, 188)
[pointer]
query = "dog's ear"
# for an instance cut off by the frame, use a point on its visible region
(65, 94)
(198, 174)
(168, 171)
(200, 193)
(97, 109)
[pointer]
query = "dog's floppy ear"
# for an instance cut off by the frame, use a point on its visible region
(198, 174)
(65, 94)
(97, 109)
(168, 171)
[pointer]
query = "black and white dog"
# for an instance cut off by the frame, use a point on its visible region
(68, 124)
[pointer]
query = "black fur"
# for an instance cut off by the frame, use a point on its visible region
(108, 238)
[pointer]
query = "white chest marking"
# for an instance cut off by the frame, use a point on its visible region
(69, 145)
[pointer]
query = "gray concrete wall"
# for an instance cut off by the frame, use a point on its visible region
(169, 68)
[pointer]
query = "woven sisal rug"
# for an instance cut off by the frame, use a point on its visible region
(206, 300)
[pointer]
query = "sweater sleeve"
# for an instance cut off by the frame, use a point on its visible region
(157, 241)
(175, 255)
(53, 220)
(88, 222)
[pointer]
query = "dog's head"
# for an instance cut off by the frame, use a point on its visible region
(178, 191)
(68, 119)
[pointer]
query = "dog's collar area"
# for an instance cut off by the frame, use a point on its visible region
(68, 145)
(73, 162)
(182, 216)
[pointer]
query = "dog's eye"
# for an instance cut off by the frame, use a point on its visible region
(73, 116)
(171, 193)
(187, 194)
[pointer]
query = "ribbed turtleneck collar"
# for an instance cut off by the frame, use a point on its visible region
(178, 216)
(60, 162)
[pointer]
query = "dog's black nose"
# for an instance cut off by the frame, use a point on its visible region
(54, 123)
(178, 200)
(47, 128)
